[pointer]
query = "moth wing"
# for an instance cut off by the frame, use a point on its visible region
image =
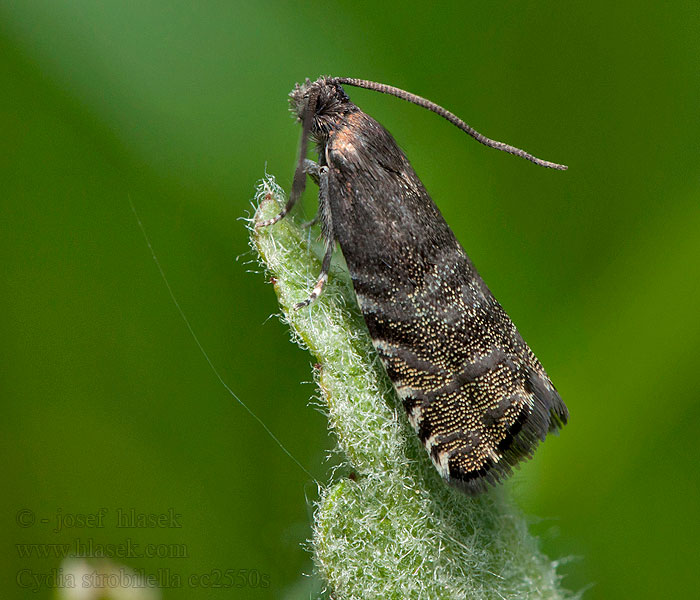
(473, 390)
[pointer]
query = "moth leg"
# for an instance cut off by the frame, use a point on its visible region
(314, 171)
(308, 167)
(323, 278)
(312, 222)
(324, 215)
(299, 181)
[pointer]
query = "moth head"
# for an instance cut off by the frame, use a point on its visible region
(322, 100)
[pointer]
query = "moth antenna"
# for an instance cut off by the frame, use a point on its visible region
(446, 114)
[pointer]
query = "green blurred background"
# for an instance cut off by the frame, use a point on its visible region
(181, 106)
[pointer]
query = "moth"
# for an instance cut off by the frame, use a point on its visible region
(473, 390)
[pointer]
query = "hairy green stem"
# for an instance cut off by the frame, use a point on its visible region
(393, 528)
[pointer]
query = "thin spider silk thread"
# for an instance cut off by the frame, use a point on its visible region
(203, 351)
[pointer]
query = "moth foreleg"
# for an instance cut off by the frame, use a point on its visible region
(310, 168)
(324, 215)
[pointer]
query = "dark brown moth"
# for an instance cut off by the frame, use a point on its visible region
(473, 390)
